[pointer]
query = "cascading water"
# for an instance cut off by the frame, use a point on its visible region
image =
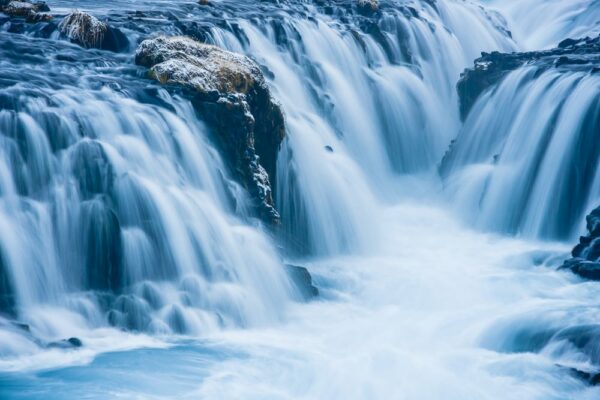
(375, 105)
(116, 188)
(511, 169)
(123, 224)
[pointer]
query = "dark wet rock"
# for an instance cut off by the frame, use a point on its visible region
(585, 260)
(302, 280)
(229, 91)
(89, 32)
(70, 343)
(591, 378)
(21, 326)
(39, 17)
(32, 11)
(491, 68)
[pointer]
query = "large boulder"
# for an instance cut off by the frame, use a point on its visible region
(585, 260)
(230, 93)
(89, 32)
(490, 68)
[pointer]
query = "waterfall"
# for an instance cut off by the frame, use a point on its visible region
(114, 201)
(362, 107)
(134, 262)
(510, 170)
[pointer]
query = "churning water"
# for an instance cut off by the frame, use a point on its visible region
(432, 285)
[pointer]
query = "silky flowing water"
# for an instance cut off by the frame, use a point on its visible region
(437, 271)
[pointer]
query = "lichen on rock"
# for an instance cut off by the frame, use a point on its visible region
(230, 92)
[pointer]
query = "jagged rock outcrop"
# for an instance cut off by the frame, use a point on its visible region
(230, 93)
(89, 32)
(490, 68)
(35, 11)
(586, 255)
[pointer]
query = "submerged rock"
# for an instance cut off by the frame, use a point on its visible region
(585, 260)
(70, 343)
(89, 32)
(490, 68)
(302, 280)
(592, 378)
(230, 92)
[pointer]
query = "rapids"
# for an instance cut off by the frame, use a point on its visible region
(436, 269)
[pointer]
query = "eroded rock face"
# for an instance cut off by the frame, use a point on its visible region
(89, 32)
(586, 255)
(490, 68)
(231, 94)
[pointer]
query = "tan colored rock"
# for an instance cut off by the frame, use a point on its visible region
(206, 68)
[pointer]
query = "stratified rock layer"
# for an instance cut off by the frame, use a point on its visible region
(230, 92)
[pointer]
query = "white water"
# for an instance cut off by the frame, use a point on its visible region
(509, 171)
(541, 24)
(414, 303)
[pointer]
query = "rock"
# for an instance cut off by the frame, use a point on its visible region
(39, 17)
(592, 378)
(491, 68)
(31, 11)
(130, 312)
(302, 279)
(71, 343)
(19, 9)
(230, 92)
(204, 2)
(367, 6)
(89, 32)
(585, 260)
